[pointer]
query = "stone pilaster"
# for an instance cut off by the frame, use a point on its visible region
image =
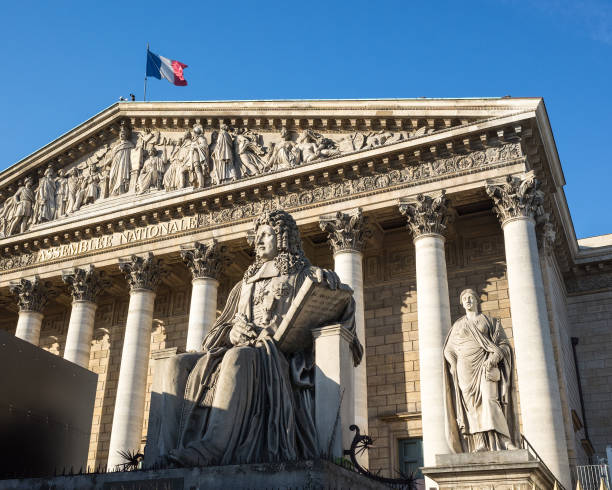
(32, 297)
(205, 261)
(347, 232)
(518, 203)
(142, 273)
(427, 217)
(85, 284)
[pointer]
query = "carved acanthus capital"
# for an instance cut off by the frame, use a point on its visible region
(141, 271)
(346, 231)
(516, 197)
(31, 294)
(85, 283)
(205, 259)
(426, 214)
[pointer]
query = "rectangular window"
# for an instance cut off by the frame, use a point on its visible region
(410, 453)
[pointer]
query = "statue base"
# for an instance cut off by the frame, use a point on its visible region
(491, 470)
(297, 474)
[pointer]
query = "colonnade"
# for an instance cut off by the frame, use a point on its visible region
(516, 202)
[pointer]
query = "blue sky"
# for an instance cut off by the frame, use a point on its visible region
(66, 61)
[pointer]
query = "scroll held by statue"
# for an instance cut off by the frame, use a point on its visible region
(315, 305)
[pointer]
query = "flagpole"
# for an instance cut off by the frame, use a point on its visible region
(145, 81)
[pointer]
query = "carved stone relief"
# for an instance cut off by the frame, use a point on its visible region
(332, 190)
(346, 231)
(204, 259)
(85, 283)
(517, 197)
(141, 271)
(31, 294)
(146, 161)
(426, 214)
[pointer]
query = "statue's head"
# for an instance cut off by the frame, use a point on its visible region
(276, 236)
(469, 300)
(152, 151)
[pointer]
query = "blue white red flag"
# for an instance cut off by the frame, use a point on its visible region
(160, 67)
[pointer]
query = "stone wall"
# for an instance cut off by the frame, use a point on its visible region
(475, 258)
(591, 319)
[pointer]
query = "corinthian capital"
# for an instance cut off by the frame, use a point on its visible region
(31, 294)
(426, 214)
(204, 259)
(516, 197)
(141, 271)
(85, 283)
(346, 231)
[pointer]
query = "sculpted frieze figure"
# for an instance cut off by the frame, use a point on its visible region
(61, 194)
(75, 192)
(249, 153)
(152, 171)
(284, 154)
(20, 208)
(224, 169)
(314, 146)
(199, 158)
(174, 177)
(242, 399)
(121, 163)
(90, 187)
(44, 207)
(477, 380)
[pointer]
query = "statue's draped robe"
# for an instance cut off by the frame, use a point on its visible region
(223, 156)
(121, 167)
(245, 403)
(476, 406)
(150, 173)
(45, 200)
(173, 178)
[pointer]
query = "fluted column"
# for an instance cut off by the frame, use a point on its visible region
(204, 261)
(85, 284)
(142, 274)
(346, 234)
(427, 217)
(518, 202)
(32, 297)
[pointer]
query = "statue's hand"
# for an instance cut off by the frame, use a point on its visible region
(242, 331)
(493, 360)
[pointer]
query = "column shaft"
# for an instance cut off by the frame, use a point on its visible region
(129, 404)
(433, 312)
(202, 312)
(80, 332)
(535, 363)
(348, 266)
(29, 324)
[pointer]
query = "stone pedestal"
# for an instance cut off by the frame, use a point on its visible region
(334, 382)
(126, 434)
(28, 326)
(80, 332)
(494, 470)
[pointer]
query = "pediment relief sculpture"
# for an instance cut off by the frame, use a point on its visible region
(143, 162)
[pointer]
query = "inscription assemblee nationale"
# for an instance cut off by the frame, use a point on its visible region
(119, 238)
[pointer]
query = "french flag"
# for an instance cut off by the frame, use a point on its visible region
(160, 67)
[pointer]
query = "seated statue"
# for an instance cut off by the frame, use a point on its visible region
(477, 378)
(243, 400)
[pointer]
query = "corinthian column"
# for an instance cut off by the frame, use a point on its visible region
(517, 200)
(32, 297)
(346, 233)
(204, 261)
(142, 274)
(85, 284)
(427, 217)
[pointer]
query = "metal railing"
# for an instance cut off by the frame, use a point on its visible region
(525, 445)
(591, 476)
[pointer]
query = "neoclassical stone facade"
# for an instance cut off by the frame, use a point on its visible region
(120, 241)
